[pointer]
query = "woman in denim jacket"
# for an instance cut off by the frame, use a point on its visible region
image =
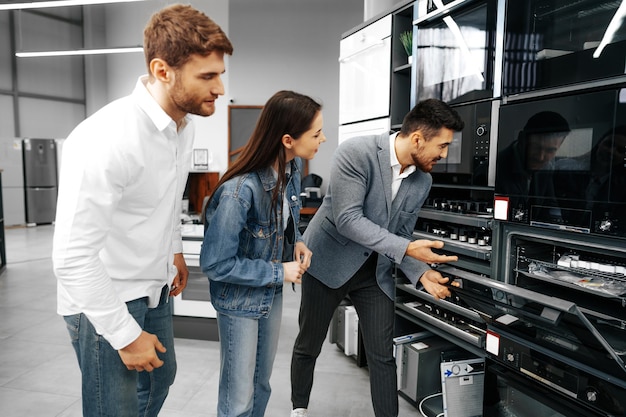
(252, 245)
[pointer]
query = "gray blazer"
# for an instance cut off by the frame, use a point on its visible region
(357, 216)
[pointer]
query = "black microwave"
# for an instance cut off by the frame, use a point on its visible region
(554, 43)
(561, 162)
(455, 49)
(467, 163)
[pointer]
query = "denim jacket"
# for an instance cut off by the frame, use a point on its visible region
(242, 251)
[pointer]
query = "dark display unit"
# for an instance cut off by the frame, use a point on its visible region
(455, 49)
(555, 43)
(561, 163)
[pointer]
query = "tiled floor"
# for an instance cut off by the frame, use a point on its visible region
(39, 375)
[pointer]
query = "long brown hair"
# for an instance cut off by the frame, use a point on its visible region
(286, 112)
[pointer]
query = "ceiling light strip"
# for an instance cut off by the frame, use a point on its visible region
(79, 52)
(58, 3)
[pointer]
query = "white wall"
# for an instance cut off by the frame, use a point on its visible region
(124, 27)
(278, 44)
(292, 44)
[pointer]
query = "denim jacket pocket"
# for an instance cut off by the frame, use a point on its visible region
(256, 243)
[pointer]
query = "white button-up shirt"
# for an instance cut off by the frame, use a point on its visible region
(117, 227)
(396, 175)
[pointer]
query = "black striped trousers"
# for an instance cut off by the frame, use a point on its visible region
(376, 321)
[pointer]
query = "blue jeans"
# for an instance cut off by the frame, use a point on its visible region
(108, 388)
(247, 351)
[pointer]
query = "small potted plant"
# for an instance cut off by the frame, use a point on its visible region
(406, 39)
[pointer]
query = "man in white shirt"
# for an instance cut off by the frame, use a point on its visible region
(117, 250)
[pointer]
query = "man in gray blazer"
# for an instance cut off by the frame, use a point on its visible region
(363, 227)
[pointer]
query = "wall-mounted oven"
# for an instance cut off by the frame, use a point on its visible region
(365, 72)
(561, 162)
(455, 47)
(555, 43)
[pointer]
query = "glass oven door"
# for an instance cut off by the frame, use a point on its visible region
(561, 163)
(455, 51)
(552, 43)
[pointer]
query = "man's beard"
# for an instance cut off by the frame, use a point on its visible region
(423, 164)
(188, 103)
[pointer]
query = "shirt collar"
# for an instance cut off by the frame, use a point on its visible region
(393, 159)
(152, 108)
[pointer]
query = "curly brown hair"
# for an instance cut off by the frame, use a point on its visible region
(176, 32)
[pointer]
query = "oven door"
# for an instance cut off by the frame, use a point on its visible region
(561, 162)
(455, 51)
(553, 43)
(365, 73)
(509, 393)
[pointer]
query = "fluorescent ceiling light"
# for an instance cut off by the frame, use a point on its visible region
(58, 3)
(613, 27)
(79, 52)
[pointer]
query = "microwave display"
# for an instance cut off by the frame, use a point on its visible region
(561, 162)
(468, 154)
(455, 54)
(552, 43)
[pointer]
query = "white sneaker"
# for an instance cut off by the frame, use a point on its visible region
(299, 412)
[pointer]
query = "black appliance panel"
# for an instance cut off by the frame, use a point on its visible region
(551, 341)
(511, 393)
(561, 162)
(467, 163)
(553, 43)
(455, 53)
(552, 323)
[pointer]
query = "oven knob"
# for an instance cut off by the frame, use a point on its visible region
(592, 395)
(481, 130)
(510, 357)
(519, 215)
(606, 225)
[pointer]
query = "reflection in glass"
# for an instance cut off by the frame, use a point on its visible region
(524, 169)
(550, 43)
(454, 57)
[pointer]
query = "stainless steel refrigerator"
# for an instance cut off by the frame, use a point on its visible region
(40, 180)
(11, 163)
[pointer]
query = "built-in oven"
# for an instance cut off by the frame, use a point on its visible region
(545, 355)
(561, 162)
(555, 43)
(455, 47)
(365, 72)
(554, 346)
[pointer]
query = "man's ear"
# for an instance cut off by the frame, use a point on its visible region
(160, 70)
(416, 137)
(287, 141)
